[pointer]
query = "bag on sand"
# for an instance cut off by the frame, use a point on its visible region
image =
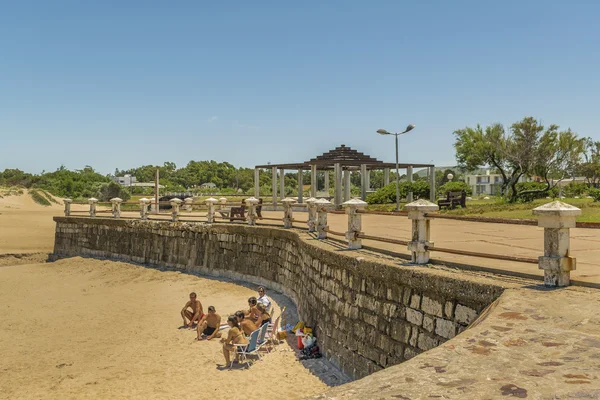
(299, 325)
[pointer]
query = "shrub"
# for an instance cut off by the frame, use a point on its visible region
(523, 186)
(595, 193)
(38, 198)
(455, 187)
(387, 194)
(575, 189)
(111, 190)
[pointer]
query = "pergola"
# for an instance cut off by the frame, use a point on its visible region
(342, 160)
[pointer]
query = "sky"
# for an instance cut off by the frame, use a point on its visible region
(118, 84)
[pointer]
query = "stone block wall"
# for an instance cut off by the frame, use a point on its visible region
(367, 313)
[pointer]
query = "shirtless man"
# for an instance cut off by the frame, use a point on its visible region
(209, 325)
(195, 315)
(247, 326)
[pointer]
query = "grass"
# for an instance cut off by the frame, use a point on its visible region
(39, 198)
(48, 196)
(10, 191)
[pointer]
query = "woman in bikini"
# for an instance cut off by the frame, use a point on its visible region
(235, 336)
(263, 316)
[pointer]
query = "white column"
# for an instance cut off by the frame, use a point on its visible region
(288, 216)
(281, 183)
(175, 203)
(326, 189)
(432, 194)
(67, 207)
(354, 222)
(313, 181)
(222, 203)
(346, 185)
(420, 244)
(116, 207)
(188, 204)
(312, 214)
(256, 182)
(363, 182)
(300, 185)
(210, 203)
(92, 202)
(557, 218)
(322, 218)
(144, 208)
(338, 185)
(386, 176)
(274, 181)
(409, 176)
(251, 203)
(153, 206)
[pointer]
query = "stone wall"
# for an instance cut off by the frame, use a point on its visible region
(368, 313)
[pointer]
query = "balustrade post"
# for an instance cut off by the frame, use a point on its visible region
(188, 204)
(288, 213)
(421, 230)
(322, 226)
(251, 203)
(312, 214)
(222, 203)
(210, 203)
(67, 207)
(175, 203)
(116, 207)
(354, 222)
(144, 208)
(92, 202)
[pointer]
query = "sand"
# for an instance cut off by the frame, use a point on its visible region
(82, 328)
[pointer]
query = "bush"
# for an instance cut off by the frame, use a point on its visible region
(111, 190)
(387, 194)
(455, 187)
(38, 198)
(575, 189)
(523, 186)
(595, 193)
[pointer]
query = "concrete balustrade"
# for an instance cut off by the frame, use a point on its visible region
(92, 202)
(144, 208)
(222, 202)
(312, 214)
(175, 203)
(251, 203)
(67, 206)
(421, 229)
(354, 222)
(557, 218)
(152, 206)
(116, 207)
(322, 226)
(288, 214)
(210, 203)
(189, 201)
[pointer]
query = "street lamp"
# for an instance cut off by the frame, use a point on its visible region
(384, 132)
(450, 176)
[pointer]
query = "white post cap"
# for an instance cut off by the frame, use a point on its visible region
(67, 201)
(116, 200)
(176, 201)
(557, 209)
(310, 200)
(211, 200)
(355, 203)
(92, 200)
(189, 199)
(223, 200)
(144, 200)
(251, 200)
(421, 205)
(322, 202)
(289, 200)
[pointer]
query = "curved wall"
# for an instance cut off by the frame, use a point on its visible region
(368, 312)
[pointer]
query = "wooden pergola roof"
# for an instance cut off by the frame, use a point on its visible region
(346, 157)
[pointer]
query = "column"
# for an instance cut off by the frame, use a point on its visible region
(432, 194)
(300, 186)
(327, 182)
(175, 203)
(313, 181)
(144, 208)
(346, 184)
(288, 216)
(188, 204)
(337, 176)
(354, 223)
(256, 182)
(116, 207)
(312, 214)
(92, 202)
(210, 203)
(251, 205)
(557, 218)
(420, 244)
(281, 183)
(363, 182)
(322, 226)
(274, 182)
(386, 176)
(409, 176)
(67, 206)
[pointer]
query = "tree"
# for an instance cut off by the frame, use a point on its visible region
(590, 167)
(529, 149)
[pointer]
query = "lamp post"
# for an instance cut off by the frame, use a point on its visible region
(384, 132)
(450, 176)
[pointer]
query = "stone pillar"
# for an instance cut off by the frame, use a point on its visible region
(175, 203)
(386, 176)
(300, 186)
(251, 203)
(313, 181)
(322, 218)
(274, 181)
(188, 204)
(337, 175)
(346, 184)
(432, 194)
(153, 206)
(363, 182)
(67, 207)
(281, 183)
(256, 182)
(419, 245)
(312, 214)
(116, 207)
(144, 208)
(409, 177)
(354, 222)
(557, 218)
(288, 216)
(210, 203)
(92, 202)
(222, 203)
(326, 189)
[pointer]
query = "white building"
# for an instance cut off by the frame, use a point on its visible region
(484, 181)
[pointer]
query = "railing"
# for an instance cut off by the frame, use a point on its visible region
(556, 261)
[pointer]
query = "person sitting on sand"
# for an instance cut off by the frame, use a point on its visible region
(247, 326)
(234, 336)
(209, 325)
(264, 317)
(252, 313)
(196, 314)
(263, 298)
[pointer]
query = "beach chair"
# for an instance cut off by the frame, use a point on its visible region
(244, 350)
(262, 337)
(274, 329)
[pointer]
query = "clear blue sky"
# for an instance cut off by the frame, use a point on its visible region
(125, 83)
